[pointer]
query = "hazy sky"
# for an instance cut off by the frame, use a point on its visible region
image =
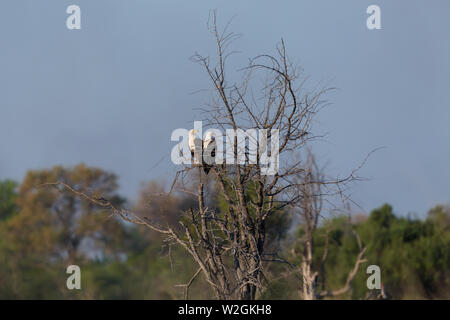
(111, 93)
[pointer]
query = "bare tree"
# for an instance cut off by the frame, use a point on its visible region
(228, 244)
(310, 208)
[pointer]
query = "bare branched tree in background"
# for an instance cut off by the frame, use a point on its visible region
(313, 188)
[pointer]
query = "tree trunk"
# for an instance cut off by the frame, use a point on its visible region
(309, 282)
(309, 276)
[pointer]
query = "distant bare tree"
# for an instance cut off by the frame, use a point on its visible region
(310, 210)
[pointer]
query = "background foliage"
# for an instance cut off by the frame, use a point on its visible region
(43, 230)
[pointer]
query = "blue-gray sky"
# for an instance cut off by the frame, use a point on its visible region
(111, 93)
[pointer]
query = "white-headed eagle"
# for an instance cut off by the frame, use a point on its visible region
(206, 150)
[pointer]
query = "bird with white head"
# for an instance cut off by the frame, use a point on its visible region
(209, 151)
(202, 149)
(195, 145)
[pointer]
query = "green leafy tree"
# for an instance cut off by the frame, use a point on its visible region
(54, 229)
(7, 199)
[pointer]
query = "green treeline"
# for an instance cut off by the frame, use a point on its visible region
(44, 228)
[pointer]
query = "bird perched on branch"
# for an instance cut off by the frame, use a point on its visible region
(209, 151)
(195, 145)
(203, 152)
